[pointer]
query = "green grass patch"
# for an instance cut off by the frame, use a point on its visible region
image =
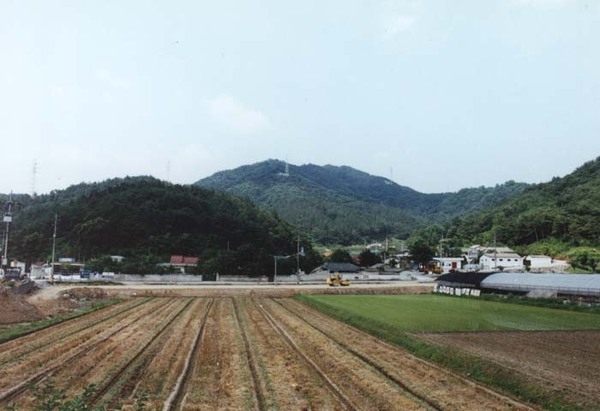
(394, 318)
(437, 313)
(562, 303)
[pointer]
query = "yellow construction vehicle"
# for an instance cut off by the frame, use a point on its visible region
(432, 267)
(335, 280)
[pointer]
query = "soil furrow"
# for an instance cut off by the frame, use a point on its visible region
(221, 377)
(50, 360)
(443, 388)
(22, 346)
(156, 381)
(115, 387)
(365, 387)
(251, 359)
(177, 397)
(290, 383)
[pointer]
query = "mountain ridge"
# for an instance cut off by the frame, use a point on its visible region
(357, 205)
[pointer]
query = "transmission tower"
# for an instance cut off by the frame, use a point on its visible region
(34, 177)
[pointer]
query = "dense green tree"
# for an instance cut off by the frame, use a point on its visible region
(310, 260)
(368, 258)
(584, 258)
(340, 256)
(420, 251)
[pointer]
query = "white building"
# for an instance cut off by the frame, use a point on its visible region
(501, 261)
(537, 261)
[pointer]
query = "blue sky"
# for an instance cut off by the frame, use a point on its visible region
(435, 95)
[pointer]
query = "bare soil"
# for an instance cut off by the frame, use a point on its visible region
(16, 309)
(44, 303)
(563, 361)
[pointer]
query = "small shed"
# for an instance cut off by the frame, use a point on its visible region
(537, 261)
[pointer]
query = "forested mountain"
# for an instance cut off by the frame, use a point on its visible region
(305, 199)
(344, 205)
(147, 220)
(565, 209)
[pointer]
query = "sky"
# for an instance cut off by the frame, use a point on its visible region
(434, 95)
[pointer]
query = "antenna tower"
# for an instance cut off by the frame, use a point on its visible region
(34, 177)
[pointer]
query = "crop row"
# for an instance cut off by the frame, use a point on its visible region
(228, 353)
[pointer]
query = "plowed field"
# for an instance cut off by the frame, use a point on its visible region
(230, 352)
(563, 361)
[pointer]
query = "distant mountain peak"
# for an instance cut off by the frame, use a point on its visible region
(340, 201)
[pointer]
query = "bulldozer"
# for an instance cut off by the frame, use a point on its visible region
(335, 280)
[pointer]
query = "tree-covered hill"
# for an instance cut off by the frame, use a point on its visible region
(564, 209)
(147, 220)
(344, 205)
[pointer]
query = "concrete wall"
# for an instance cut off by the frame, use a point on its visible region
(157, 278)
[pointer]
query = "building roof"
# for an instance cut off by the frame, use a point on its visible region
(183, 260)
(469, 280)
(499, 250)
(575, 284)
(341, 267)
(502, 255)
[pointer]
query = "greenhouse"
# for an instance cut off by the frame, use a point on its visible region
(565, 284)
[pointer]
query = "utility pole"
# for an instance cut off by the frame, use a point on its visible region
(495, 253)
(298, 256)
(54, 242)
(7, 219)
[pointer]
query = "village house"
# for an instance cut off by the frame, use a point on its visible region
(181, 262)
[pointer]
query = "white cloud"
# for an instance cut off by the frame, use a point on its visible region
(229, 112)
(398, 24)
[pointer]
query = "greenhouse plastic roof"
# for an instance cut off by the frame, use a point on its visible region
(577, 284)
